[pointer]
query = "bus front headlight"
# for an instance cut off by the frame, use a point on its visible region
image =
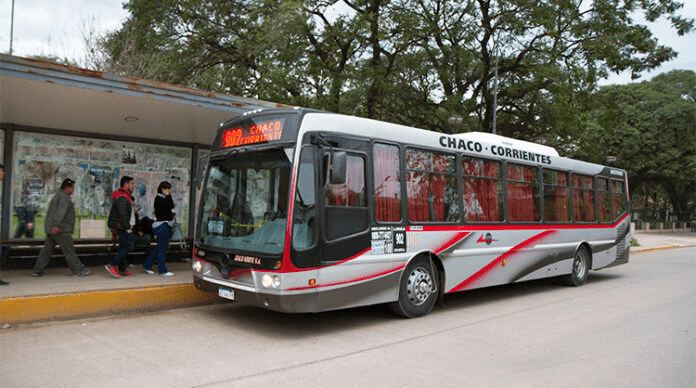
(269, 281)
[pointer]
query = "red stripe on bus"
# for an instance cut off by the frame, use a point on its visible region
(495, 263)
(360, 279)
(452, 241)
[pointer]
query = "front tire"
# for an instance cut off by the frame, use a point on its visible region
(581, 268)
(417, 289)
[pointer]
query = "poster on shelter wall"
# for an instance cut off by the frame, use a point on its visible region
(128, 155)
(2, 157)
(42, 162)
(147, 183)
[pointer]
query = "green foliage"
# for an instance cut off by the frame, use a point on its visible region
(650, 128)
(404, 61)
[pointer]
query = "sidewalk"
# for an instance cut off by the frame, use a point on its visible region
(58, 295)
(662, 240)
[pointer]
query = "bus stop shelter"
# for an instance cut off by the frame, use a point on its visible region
(42, 102)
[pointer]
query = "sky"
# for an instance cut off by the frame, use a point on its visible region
(58, 27)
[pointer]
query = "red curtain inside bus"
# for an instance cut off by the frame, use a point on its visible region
(604, 200)
(556, 208)
(387, 183)
(523, 194)
(482, 190)
(583, 199)
(428, 198)
(556, 196)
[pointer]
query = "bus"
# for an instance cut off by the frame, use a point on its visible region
(309, 211)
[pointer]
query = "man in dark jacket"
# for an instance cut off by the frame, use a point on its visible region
(59, 226)
(122, 219)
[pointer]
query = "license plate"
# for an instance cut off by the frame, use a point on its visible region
(226, 293)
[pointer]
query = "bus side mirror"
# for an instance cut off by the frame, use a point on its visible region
(338, 168)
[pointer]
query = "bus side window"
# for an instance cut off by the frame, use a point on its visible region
(522, 193)
(619, 199)
(387, 180)
(431, 184)
(482, 190)
(583, 199)
(556, 196)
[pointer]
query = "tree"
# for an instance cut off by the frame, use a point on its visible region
(405, 61)
(549, 56)
(650, 127)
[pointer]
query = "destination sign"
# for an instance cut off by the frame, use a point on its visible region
(258, 132)
(508, 152)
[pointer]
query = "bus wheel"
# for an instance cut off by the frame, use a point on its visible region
(581, 269)
(417, 290)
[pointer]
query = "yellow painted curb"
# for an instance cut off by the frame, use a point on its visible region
(656, 249)
(45, 307)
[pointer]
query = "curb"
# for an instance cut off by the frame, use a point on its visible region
(26, 309)
(660, 248)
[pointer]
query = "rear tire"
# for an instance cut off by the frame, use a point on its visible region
(581, 268)
(417, 289)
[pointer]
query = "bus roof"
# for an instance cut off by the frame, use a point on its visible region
(486, 145)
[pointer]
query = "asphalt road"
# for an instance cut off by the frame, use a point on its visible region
(630, 326)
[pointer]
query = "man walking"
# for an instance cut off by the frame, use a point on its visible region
(122, 219)
(59, 226)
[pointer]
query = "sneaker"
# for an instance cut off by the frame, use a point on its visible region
(126, 273)
(83, 272)
(37, 274)
(113, 271)
(167, 274)
(148, 271)
(4, 283)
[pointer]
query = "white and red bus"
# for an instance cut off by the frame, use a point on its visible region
(307, 211)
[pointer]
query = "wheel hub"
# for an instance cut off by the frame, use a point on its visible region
(579, 266)
(420, 286)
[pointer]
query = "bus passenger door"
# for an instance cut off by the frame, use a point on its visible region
(345, 224)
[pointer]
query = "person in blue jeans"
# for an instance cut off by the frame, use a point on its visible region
(164, 221)
(122, 219)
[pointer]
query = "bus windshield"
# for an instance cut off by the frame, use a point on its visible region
(245, 202)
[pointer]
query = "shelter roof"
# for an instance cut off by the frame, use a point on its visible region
(36, 93)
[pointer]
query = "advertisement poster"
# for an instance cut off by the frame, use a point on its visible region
(43, 161)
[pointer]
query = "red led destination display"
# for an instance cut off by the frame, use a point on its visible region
(258, 132)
